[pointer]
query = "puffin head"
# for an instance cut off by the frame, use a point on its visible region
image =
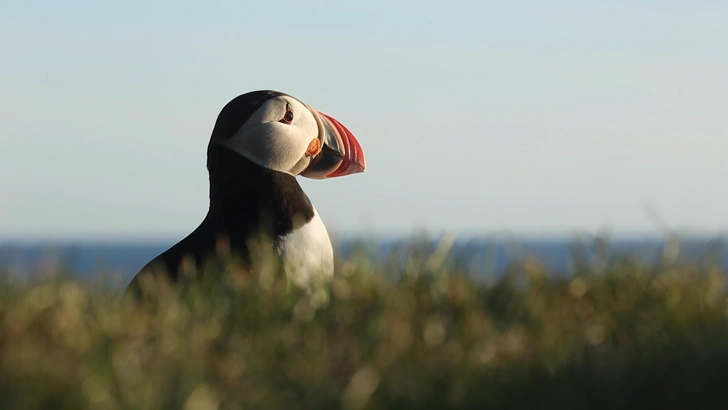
(278, 132)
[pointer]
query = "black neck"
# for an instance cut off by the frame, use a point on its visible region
(245, 196)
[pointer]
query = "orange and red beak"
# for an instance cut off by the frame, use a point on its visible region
(341, 154)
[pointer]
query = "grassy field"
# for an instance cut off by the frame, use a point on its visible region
(628, 335)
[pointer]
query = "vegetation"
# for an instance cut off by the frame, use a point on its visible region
(628, 335)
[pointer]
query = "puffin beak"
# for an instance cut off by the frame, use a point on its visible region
(341, 154)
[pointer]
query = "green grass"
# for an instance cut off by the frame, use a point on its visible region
(630, 335)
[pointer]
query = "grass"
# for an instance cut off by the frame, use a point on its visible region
(419, 335)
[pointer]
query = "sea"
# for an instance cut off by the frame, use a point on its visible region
(480, 257)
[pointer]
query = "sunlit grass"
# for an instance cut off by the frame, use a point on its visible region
(415, 335)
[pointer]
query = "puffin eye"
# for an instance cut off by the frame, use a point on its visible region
(288, 116)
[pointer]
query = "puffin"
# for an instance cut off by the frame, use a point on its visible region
(262, 141)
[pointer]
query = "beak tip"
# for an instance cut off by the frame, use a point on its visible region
(350, 169)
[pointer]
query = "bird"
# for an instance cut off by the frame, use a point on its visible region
(260, 143)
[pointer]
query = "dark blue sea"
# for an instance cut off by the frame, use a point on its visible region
(479, 257)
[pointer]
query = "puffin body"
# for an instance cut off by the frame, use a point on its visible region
(261, 142)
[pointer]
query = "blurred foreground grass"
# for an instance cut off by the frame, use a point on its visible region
(631, 335)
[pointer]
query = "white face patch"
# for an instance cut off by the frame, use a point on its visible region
(270, 140)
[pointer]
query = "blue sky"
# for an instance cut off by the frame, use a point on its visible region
(476, 117)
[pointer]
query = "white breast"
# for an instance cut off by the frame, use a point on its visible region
(308, 257)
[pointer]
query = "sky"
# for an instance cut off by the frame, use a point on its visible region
(475, 116)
